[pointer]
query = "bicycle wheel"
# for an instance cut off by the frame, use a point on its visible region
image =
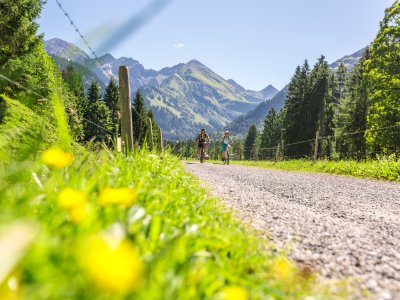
(202, 155)
(227, 157)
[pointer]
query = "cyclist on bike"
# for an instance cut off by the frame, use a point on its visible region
(201, 139)
(226, 143)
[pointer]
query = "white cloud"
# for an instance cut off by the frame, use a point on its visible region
(180, 45)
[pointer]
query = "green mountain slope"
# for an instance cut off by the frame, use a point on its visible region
(183, 97)
(195, 97)
(240, 125)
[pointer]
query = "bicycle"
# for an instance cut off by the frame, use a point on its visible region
(202, 153)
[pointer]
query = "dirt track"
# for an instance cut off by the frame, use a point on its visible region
(342, 226)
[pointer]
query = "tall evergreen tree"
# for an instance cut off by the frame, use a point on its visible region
(23, 58)
(111, 99)
(18, 28)
(97, 113)
(319, 100)
(296, 112)
(382, 70)
(139, 116)
(322, 104)
(270, 135)
(340, 82)
(249, 143)
(156, 128)
(352, 112)
(75, 100)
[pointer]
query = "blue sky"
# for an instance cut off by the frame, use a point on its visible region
(254, 42)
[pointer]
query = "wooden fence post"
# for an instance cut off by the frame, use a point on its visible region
(277, 152)
(316, 146)
(125, 107)
(119, 144)
(161, 141)
(150, 126)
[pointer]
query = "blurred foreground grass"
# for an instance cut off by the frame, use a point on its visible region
(114, 227)
(81, 225)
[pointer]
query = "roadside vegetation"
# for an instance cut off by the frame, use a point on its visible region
(386, 168)
(108, 226)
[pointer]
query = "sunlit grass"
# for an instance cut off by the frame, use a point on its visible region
(110, 226)
(387, 168)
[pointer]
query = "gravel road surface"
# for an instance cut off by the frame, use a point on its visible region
(340, 226)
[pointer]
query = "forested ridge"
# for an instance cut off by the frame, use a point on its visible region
(356, 113)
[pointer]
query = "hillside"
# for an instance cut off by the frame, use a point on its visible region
(256, 116)
(183, 97)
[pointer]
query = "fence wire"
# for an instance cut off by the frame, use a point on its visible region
(96, 58)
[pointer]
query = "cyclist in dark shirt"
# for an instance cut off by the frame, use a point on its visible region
(202, 140)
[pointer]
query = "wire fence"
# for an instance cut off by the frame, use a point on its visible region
(323, 143)
(92, 52)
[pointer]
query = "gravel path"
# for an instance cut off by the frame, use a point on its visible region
(342, 226)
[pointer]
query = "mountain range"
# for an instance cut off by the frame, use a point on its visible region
(183, 98)
(186, 96)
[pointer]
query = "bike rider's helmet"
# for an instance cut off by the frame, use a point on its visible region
(203, 129)
(226, 132)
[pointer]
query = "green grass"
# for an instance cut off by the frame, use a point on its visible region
(387, 168)
(191, 246)
(110, 226)
(22, 132)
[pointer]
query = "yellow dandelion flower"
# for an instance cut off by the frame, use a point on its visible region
(121, 196)
(234, 293)
(113, 264)
(78, 213)
(75, 202)
(283, 270)
(57, 158)
(69, 197)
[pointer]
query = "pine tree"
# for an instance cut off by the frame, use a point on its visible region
(319, 112)
(352, 112)
(111, 99)
(249, 143)
(382, 71)
(18, 28)
(270, 135)
(340, 80)
(296, 112)
(156, 128)
(75, 100)
(319, 100)
(139, 118)
(98, 122)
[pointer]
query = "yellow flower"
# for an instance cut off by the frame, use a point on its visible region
(75, 202)
(57, 158)
(113, 264)
(121, 196)
(283, 270)
(10, 289)
(234, 293)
